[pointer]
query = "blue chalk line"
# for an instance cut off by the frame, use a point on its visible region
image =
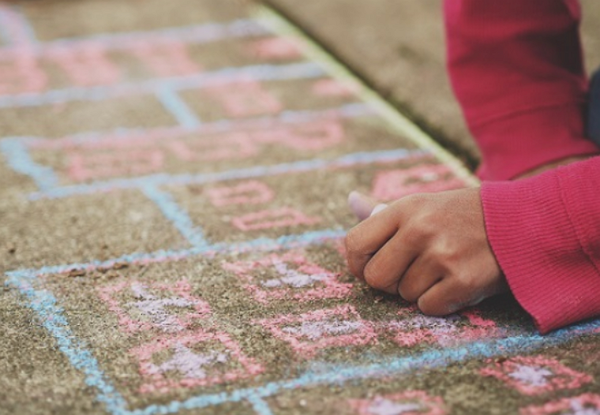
(18, 158)
(175, 105)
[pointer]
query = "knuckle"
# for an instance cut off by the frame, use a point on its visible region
(353, 242)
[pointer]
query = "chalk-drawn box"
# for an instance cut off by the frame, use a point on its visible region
(416, 328)
(412, 402)
(200, 358)
(534, 375)
(166, 307)
(585, 404)
(288, 276)
(314, 331)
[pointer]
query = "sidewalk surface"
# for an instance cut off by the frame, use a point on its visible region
(173, 183)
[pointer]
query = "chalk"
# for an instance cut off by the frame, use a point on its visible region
(364, 206)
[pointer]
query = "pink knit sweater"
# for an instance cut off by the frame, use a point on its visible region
(516, 68)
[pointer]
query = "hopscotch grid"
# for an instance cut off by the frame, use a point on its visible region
(177, 107)
(17, 153)
(46, 306)
(259, 72)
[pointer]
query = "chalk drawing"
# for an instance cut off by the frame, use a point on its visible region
(394, 184)
(166, 58)
(166, 307)
(314, 137)
(20, 73)
(329, 87)
(275, 48)
(86, 67)
(201, 358)
(585, 404)
(283, 217)
(232, 146)
(417, 329)
(288, 276)
(244, 98)
(88, 164)
(533, 375)
(312, 332)
(413, 402)
(251, 192)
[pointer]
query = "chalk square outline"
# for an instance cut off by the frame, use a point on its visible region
(332, 288)
(129, 324)
(434, 404)
(365, 334)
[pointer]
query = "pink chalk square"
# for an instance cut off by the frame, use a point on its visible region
(251, 192)
(20, 73)
(244, 98)
(143, 306)
(404, 403)
(586, 404)
(417, 329)
(88, 66)
(275, 48)
(273, 218)
(534, 375)
(90, 164)
(314, 136)
(200, 358)
(394, 184)
(295, 279)
(312, 332)
(165, 58)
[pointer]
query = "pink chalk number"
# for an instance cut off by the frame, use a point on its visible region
(273, 218)
(586, 404)
(245, 98)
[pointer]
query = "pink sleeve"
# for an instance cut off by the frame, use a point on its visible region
(545, 233)
(516, 68)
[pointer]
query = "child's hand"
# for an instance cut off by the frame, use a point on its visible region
(432, 249)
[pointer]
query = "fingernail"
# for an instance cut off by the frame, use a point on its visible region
(360, 205)
(378, 208)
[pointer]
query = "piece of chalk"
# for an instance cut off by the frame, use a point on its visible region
(378, 208)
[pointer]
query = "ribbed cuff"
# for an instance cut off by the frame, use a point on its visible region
(515, 144)
(530, 229)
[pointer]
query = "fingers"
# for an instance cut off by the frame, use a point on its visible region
(420, 276)
(386, 268)
(446, 297)
(368, 237)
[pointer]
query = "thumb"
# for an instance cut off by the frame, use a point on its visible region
(363, 206)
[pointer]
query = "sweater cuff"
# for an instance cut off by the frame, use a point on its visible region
(516, 143)
(532, 234)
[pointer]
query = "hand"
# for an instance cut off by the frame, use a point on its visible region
(431, 249)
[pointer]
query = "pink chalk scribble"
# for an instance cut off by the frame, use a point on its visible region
(295, 278)
(87, 66)
(200, 358)
(275, 48)
(142, 306)
(214, 148)
(404, 403)
(273, 218)
(251, 192)
(87, 164)
(585, 404)
(417, 328)
(244, 98)
(330, 87)
(394, 184)
(311, 332)
(166, 58)
(533, 375)
(20, 73)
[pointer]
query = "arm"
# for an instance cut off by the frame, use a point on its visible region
(516, 69)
